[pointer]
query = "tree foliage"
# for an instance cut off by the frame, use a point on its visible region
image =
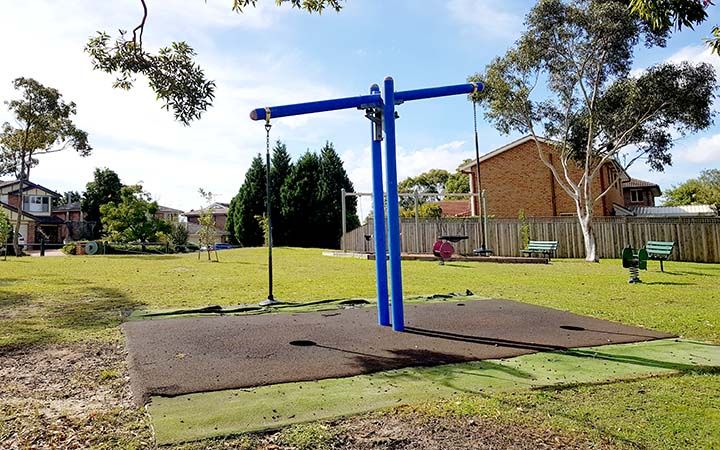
(248, 203)
(301, 203)
(67, 198)
(305, 199)
(207, 234)
(593, 110)
(281, 167)
(308, 5)
(704, 190)
(105, 188)
(132, 219)
(434, 181)
(333, 178)
(178, 82)
(5, 232)
(668, 14)
(43, 125)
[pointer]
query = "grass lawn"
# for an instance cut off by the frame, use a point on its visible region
(80, 299)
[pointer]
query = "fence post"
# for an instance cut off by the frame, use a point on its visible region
(417, 221)
(344, 219)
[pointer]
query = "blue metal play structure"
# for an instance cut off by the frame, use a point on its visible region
(381, 112)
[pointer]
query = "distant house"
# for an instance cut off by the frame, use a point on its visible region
(514, 178)
(167, 213)
(37, 221)
(219, 212)
(455, 208)
(638, 193)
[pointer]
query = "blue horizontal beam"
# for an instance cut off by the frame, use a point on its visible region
(441, 91)
(366, 101)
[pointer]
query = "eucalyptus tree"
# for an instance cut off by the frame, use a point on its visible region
(591, 108)
(43, 126)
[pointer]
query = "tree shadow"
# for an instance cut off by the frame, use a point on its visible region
(644, 362)
(532, 346)
(13, 299)
(94, 308)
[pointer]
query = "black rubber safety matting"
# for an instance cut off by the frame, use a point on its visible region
(184, 355)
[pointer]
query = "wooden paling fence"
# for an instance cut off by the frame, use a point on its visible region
(696, 239)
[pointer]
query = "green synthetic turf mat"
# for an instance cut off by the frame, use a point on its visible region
(197, 416)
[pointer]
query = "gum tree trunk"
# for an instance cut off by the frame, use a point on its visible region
(586, 225)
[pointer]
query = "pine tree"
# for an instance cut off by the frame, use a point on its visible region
(281, 168)
(301, 202)
(334, 178)
(249, 203)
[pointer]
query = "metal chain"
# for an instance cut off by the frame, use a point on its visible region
(267, 130)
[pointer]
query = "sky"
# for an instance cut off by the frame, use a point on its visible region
(273, 55)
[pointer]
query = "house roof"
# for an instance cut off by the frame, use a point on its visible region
(455, 208)
(72, 206)
(467, 168)
(27, 185)
(503, 149)
(675, 211)
(167, 209)
(217, 209)
(635, 183)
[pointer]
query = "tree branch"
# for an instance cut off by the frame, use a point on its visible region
(140, 27)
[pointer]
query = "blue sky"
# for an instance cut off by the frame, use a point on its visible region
(272, 55)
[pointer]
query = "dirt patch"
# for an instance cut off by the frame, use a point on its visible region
(399, 431)
(67, 396)
(395, 430)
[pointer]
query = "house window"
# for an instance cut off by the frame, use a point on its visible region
(36, 203)
(636, 196)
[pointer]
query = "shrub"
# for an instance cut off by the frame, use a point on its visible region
(70, 248)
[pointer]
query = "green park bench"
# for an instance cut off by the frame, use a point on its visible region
(659, 251)
(547, 248)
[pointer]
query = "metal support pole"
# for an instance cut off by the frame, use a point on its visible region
(484, 212)
(393, 207)
(378, 198)
(344, 219)
(417, 221)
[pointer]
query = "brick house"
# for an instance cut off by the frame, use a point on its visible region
(514, 178)
(37, 221)
(220, 213)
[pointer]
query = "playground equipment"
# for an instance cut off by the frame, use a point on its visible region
(415, 247)
(634, 261)
(380, 110)
(443, 248)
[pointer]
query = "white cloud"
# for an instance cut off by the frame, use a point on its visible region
(486, 17)
(410, 162)
(704, 150)
(696, 54)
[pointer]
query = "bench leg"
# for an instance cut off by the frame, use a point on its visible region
(661, 266)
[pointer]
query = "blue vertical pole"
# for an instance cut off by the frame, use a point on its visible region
(393, 208)
(379, 214)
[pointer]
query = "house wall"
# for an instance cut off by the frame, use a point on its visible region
(648, 198)
(517, 179)
(220, 220)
